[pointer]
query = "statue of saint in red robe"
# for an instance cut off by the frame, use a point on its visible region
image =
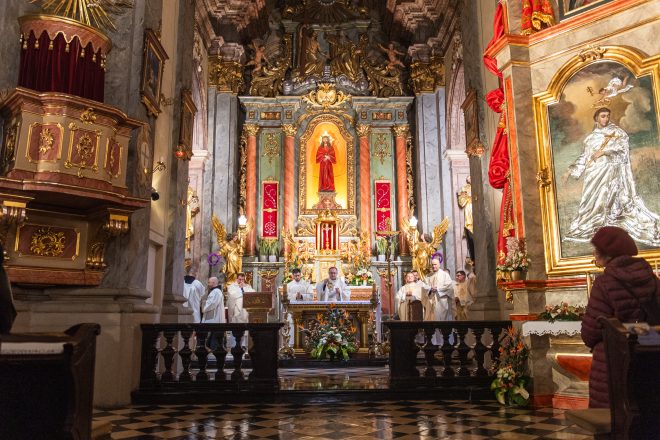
(325, 157)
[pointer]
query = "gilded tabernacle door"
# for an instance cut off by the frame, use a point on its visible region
(599, 154)
(327, 164)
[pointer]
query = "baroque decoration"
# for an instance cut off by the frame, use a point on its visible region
(47, 243)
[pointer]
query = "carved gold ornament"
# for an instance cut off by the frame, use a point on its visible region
(250, 129)
(271, 147)
(95, 13)
(12, 215)
(88, 116)
(476, 149)
(46, 243)
(289, 130)
(86, 151)
(268, 80)
(591, 53)
(326, 95)
(382, 148)
(46, 140)
(242, 182)
(363, 130)
(543, 177)
(400, 130)
(8, 155)
(410, 183)
(112, 226)
(226, 76)
(426, 77)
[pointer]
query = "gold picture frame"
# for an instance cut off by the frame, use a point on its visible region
(153, 65)
(187, 128)
(591, 66)
(473, 146)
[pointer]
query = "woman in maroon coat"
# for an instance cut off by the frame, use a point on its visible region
(613, 250)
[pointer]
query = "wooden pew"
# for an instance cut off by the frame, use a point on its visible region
(47, 384)
(634, 387)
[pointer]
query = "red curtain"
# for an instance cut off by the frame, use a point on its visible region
(536, 15)
(58, 66)
(499, 166)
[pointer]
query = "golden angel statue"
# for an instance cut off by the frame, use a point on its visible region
(231, 248)
(421, 249)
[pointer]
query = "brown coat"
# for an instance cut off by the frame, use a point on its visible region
(609, 298)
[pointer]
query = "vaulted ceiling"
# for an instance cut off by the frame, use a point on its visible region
(409, 22)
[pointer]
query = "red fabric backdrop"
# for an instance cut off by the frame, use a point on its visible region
(383, 190)
(269, 209)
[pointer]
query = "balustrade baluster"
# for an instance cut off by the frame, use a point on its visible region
(495, 347)
(429, 352)
(168, 355)
(150, 355)
(202, 354)
(447, 350)
(185, 353)
(479, 351)
(220, 354)
(463, 351)
(237, 352)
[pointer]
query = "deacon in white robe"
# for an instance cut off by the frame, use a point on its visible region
(438, 299)
(411, 291)
(333, 288)
(193, 291)
(214, 305)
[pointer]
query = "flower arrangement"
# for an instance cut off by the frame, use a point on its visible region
(562, 312)
(516, 256)
(333, 336)
(511, 371)
(362, 277)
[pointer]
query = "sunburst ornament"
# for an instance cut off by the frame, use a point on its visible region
(95, 13)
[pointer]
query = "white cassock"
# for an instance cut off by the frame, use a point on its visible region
(214, 307)
(193, 293)
(235, 302)
(438, 306)
(293, 288)
(609, 196)
(403, 299)
(326, 290)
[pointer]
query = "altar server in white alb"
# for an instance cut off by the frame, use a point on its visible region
(438, 298)
(299, 289)
(193, 291)
(214, 305)
(333, 288)
(411, 291)
(235, 293)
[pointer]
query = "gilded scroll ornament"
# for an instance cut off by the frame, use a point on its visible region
(86, 150)
(426, 77)
(289, 130)
(410, 183)
(250, 129)
(268, 80)
(12, 215)
(47, 243)
(383, 80)
(46, 140)
(271, 147)
(242, 185)
(226, 76)
(382, 148)
(591, 53)
(363, 130)
(88, 116)
(476, 149)
(326, 95)
(112, 226)
(97, 13)
(400, 130)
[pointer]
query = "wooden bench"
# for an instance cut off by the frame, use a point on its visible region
(47, 383)
(634, 388)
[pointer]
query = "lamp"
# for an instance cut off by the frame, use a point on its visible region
(242, 221)
(242, 229)
(413, 222)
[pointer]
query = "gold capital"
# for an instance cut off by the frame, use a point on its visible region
(363, 130)
(289, 130)
(251, 129)
(400, 130)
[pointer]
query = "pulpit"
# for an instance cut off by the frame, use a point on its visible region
(258, 304)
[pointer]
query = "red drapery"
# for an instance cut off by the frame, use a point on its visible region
(499, 166)
(383, 191)
(536, 15)
(57, 66)
(270, 191)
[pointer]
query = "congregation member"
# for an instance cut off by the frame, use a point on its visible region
(624, 291)
(408, 293)
(333, 288)
(193, 291)
(464, 292)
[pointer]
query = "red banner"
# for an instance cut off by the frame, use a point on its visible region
(270, 191)
(383, 191)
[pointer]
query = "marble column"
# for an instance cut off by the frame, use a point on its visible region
(363, 132)
(251, 131)
(403, 214)
(289, 177)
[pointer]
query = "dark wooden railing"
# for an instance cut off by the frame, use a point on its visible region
(167, 358)
(464, 359)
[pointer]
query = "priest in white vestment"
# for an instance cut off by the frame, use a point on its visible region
(609, 196)
(214, 305)
(193, 292)
(438, 299)
(333, 288)
(411, 291)
(297, 289)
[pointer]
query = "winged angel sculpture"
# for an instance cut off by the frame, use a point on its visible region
(231, 248)
(421, 249)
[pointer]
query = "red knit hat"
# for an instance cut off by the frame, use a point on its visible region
(614, 241)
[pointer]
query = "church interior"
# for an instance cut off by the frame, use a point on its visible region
(324, 218)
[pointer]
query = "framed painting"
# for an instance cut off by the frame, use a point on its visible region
(599, 155)
(153, 64)
(571, 8)
(473, 146)
(188, 110)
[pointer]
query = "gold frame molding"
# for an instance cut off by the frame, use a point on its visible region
(350, 165)
(555, 264)
(152, 45)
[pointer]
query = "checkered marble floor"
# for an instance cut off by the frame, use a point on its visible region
(418, 419)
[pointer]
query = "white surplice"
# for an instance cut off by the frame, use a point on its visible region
(194, 292)
(214, 307)
(326, 290)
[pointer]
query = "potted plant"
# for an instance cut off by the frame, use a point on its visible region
(274, 249)
(263, 247)
(511, 371)
(516, 262)
(381, 248)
